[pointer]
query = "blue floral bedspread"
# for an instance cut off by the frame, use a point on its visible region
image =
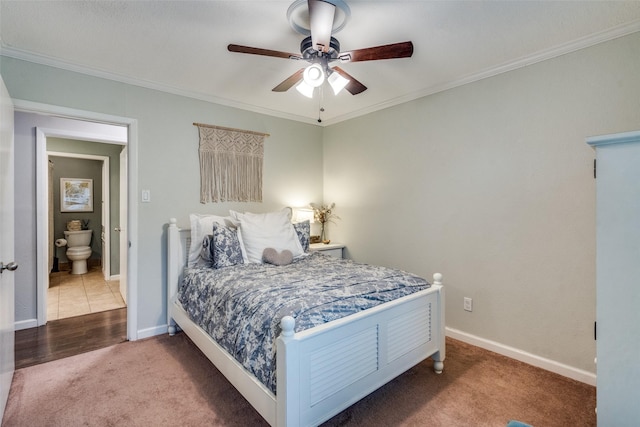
(241, 306)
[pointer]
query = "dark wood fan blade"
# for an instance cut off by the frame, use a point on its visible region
(354, 87)
(389, 51)
(289, 81)
(263, 52)
(321, 14)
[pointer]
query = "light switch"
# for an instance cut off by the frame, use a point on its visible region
(146, 196)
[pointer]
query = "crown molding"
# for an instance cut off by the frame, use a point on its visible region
(147, 84)
(543, 55)
(573, 46)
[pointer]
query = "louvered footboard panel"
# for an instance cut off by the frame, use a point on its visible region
(342, 363)
(408, 332)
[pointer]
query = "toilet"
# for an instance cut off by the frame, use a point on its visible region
(78, 249)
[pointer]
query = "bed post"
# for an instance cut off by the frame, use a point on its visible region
(438, 357)
(173, 269)
(287, 365)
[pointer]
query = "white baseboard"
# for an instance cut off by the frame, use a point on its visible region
(25, 324)
(152, 332)
(523, 356)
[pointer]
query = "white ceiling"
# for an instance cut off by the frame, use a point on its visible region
(181, 46)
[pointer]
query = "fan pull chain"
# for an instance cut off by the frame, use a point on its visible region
(320, 102)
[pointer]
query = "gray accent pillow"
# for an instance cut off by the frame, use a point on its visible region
(272, 256)
(226, 247)
(222, 248)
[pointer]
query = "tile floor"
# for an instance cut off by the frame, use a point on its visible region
(74, 295)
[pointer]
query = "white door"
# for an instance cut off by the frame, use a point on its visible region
(124, 234)
(7, 304)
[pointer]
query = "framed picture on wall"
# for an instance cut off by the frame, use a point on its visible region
(76, 195)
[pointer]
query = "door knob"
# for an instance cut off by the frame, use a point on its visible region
(118, 229)
(12, 266)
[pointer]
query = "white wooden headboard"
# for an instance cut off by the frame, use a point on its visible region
(178, 242)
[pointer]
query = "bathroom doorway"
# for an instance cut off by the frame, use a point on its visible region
(96, 285)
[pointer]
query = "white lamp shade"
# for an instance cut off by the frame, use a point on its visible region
(337, 82)
(303, 214)
(305, 89)
(313, 75)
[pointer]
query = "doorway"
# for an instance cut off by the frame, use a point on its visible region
(97, 289)
(82, 144)
(59, 122)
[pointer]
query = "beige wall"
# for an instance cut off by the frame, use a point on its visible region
(492, 185)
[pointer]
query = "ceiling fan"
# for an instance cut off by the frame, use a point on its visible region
(318, 21)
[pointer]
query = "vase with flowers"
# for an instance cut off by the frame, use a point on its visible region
(323, 214)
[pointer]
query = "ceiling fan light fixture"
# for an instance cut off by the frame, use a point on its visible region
(305, 89)
(313, 75)
(337, 82)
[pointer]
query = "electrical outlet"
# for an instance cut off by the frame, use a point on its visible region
(146, 196)
(468, 304)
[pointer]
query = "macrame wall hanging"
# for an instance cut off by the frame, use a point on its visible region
(230, 164)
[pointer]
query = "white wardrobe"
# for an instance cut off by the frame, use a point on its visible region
(618, 278)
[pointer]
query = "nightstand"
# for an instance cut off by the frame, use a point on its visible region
(333, 249)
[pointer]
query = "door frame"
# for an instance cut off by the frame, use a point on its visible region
(105, 208)
(130, 237)
(42, 203)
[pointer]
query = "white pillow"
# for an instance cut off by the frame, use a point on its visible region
(202, 225)
(267, 230)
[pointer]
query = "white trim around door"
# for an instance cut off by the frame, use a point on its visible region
(130, 238)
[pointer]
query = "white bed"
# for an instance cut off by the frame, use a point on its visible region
(359, 353)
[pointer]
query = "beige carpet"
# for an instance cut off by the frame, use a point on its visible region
(166, 381)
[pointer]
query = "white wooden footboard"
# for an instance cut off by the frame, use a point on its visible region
(323, 370)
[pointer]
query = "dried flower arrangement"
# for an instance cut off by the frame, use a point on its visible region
(323, 214)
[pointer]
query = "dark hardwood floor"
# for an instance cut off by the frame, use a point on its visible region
(67, 337)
